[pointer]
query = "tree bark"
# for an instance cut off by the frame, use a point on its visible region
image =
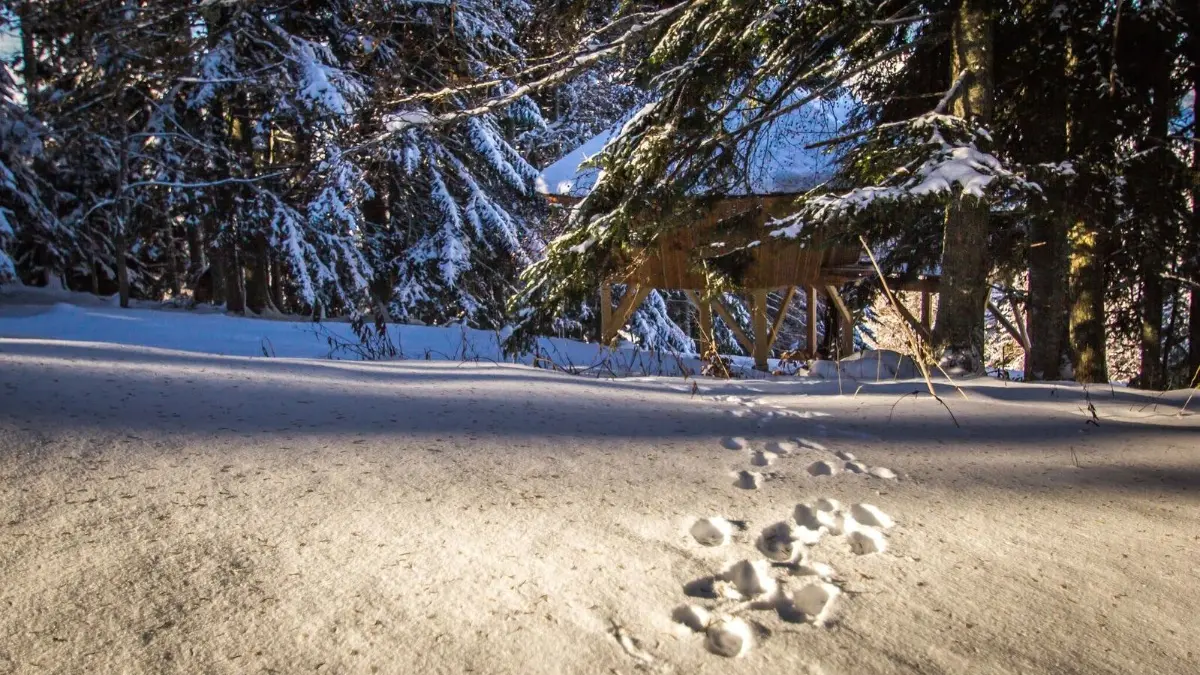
(120, 241)
(1155, 223)
(195, 241)
(958, 335)
(174, 267)
(1047, 318)
(1087, 283)
(1047, 307)
(1152, 375)
(258, 283)
(1087, 303)
(235, 275)
(1192, 14)
(277, 284)
(29, 56)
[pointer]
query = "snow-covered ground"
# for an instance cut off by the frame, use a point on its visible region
(172, 501)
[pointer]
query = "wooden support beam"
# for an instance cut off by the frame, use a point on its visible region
(634, 295)
(927, 310)
(781, 315)
(1008, 326)
(762, 338)
(845, 337)
(837, 302)
(845, 323)
(738, 333)
(706, 327)
(811, 329)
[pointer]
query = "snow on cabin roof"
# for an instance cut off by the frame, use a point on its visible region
(780, 166)
(566, 177)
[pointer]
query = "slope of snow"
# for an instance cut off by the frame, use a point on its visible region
(176, 511)
(27, 312)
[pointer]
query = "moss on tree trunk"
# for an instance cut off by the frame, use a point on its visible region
(1087, 303)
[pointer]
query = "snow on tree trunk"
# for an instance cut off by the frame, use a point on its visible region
(959, 333)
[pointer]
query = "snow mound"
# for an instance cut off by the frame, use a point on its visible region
(712, 531)
(869, 514)
(729, 636)
(870, 365)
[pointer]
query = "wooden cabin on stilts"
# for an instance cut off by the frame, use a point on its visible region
(733, 235)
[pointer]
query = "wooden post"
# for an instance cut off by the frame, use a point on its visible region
(845, 337)
(845, 323)
(762, 340)
(927, 310)
(782, 314)
(811, 329)
(734, 328)
(634, 295)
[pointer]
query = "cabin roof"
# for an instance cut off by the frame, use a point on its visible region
(781, 165)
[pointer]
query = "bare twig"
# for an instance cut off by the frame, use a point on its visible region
(914, 343)
(1195, 386)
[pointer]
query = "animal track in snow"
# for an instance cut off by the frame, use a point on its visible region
(865, 540)
(751, 578)
(871, 515)
(844, 455)
(814, 569)
(733, 443)
(808, 443)
(843, 523)
(782, 448)
(812, 518)
(856, 467)
(712, 531)
(826, 504)
(816, 601)
(822, 468)
(694, 617)
(784, 542)
(763, 458)
(729, 636)
(749, 480)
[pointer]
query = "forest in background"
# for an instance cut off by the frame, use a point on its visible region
(378, 158)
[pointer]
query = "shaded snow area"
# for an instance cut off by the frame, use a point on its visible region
(167, 510)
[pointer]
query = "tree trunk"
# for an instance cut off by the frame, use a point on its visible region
(195, 240)
(1047, 308)
(1087, 303)
(1192, 13)
(216, 273)
(29, 56)
(1087, 283)
(258, 283)
(1194, 332)
(174, 266)
(235, 275)
(959, 333)
(1151, 376)
(1155, 223)
(277, 284)
(1047, 318)
(120, 241)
